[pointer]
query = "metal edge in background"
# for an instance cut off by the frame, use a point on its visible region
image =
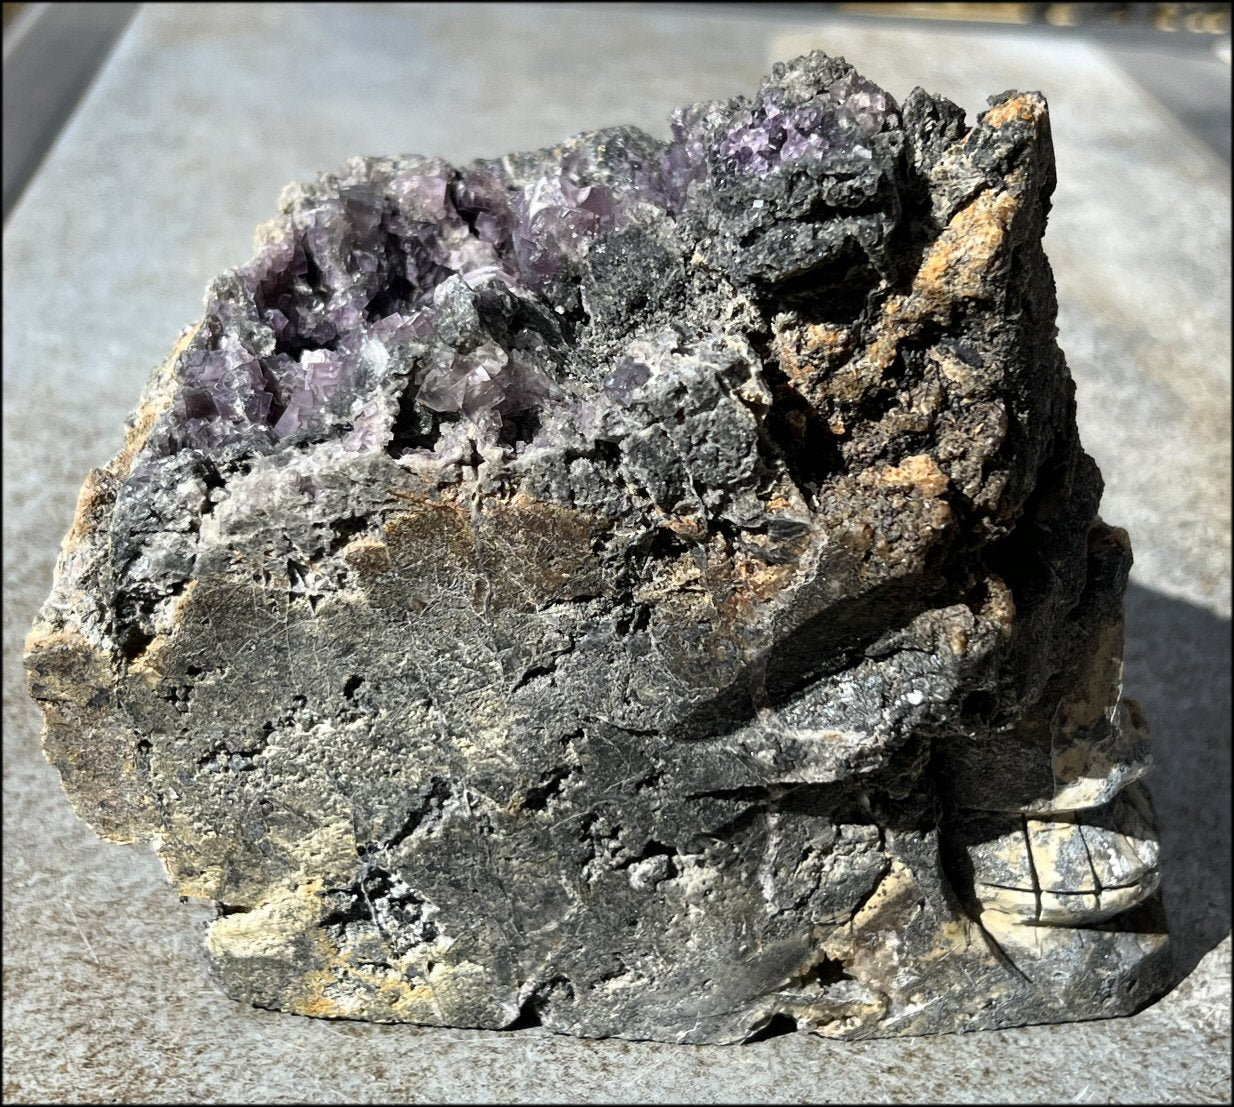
(51, 53)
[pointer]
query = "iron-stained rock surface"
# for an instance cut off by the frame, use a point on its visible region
(652, 589)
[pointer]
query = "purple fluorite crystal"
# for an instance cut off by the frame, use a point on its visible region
(844, 118)
(338, 320)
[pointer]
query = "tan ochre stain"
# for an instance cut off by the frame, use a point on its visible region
(1021, 109)
(919, 472)
(958, 263)
(144, 418)
(821, 361)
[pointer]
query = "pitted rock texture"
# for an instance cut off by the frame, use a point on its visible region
(651, 589)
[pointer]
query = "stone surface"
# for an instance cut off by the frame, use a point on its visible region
(136, 1016)
(653, 590)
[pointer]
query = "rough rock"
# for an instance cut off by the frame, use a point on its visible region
(648, 589)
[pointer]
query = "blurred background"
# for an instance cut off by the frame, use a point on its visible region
(143, 143)
(1180, 53)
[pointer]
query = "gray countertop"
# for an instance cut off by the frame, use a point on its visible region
(180, 148)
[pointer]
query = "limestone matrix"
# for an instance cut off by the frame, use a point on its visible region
(652, 589)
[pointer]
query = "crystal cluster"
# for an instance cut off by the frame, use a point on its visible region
(842, 118)
(363, 266)
(653, 589)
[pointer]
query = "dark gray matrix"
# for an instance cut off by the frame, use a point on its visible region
(654, 589)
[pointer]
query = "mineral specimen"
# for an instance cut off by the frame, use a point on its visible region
(651, 589)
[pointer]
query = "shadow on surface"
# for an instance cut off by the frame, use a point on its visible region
(1178, 667)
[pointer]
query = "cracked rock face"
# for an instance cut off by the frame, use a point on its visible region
(651, 589)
